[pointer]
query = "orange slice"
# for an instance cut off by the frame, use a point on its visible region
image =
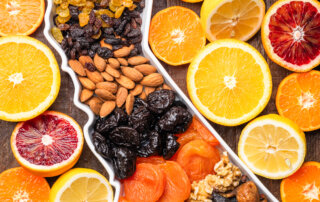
(29, 78)
(47, 145)
(298, 98)
(176, 35)
(20, 17)
(17, 184)
(303, 185)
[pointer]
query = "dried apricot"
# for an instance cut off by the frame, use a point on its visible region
(204, 132)
(198, 158)
(177, 186)
(146, 184)
(152, 159)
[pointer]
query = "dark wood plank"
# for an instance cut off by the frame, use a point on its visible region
(64, 104)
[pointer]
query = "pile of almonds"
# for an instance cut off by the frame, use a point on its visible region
(115, 81)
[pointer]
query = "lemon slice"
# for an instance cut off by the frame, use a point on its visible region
(229, 82)
(81, 184)
(238, 19)
(272, 146)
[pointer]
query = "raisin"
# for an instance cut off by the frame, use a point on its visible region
(92, 18)
(64, 27)
(113, 41)
(121, 27)
(107, 19)
(104, 53)
(116, 47)
(108, 30)
(134, 33)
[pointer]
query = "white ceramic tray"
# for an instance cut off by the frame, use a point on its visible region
(88, 127)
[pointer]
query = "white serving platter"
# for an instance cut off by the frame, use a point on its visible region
(88, 127)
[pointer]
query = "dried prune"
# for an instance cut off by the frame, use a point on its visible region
(151, 145)
(125, 136)
(124, 162)
(140, 102)
(101, 145)
(160, 101)
(121, 116)
(106, 124)
(141, 119)
(104, 52)
(170, 146)
(176, 120)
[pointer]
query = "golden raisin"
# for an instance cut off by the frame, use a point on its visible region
(83, 19)
(127, 3)
(57, 2)
(64, 5)
(57, 34)
(89, 4)
(119, 12)
(134, 6)
(62, 12)
(97, 36)
(63, 20)
(113, 7)
(105, 12)
(116, 3)
(78, 2)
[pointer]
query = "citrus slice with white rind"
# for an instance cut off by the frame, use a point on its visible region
(29, 78)
(272, 146)
(81, 184)
(229, 82)
(238, 19)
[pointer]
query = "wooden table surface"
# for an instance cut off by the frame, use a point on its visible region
(64, 103)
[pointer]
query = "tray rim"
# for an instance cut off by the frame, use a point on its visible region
(87, 129)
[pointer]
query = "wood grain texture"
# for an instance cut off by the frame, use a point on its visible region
(64, 103)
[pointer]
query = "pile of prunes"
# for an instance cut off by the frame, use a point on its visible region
(149, 130)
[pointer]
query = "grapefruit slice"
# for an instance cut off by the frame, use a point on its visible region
(291, 34)
(47, 145)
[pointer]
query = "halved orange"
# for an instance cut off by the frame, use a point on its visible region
(20, 17)
(176, 35)
(29, 78)
(17, 184)
(303, 185)
(298, 98)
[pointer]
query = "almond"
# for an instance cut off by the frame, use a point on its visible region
(114, 63)
(112, 71)
(85, 95)
(85, 59)
(129, 103)
(165, 86)
(107, 76)
(95, 105)
(146, 69)
(123, 61)
(95, 76)
(137, 90)
(105, 45)
(125, 82)
(132, 73)
(77, 67)
(99, 62)
(109, 86)
(104, 94)
(148, 90)
(137, 60)
(122, 95)
(123, 52)
(106, 108)
(152, 80)
(87, 83)
(143, 95)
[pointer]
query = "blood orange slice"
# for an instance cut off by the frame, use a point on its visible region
(291, 34)
(47, 145)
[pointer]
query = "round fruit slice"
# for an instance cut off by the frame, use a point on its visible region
(29, 79)
(229, 82)
(176, 35)
(290, 34)
(81, 184)
(272, 146)
(20, 17)
(238, 19)
(47, 145)
(303, 185)
(17, 184)
(298, 98)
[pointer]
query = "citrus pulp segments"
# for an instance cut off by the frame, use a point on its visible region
(57, 169)
(69, 180)
(280, 122)
(221, 9)
(45, 104)
(21, 10)
(233, 44)
(267, 43)
(304, 183)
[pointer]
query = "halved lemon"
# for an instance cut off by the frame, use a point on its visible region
(81, 184)
(238, 19)
(29, 78)
(272, 146)
(229, 82)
